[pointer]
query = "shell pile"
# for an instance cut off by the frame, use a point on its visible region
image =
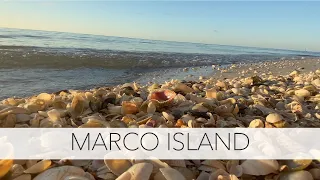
(264, 101)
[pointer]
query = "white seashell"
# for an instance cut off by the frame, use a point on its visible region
(141, 171)
(60, 173)
(274, 117)
(169, 174)
(168, 116)
(39, 167)
(151, 109)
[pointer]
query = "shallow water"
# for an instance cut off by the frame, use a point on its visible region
(36, 61)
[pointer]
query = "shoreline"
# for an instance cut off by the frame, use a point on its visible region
(281, 94)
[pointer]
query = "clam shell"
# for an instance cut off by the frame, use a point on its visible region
(141, 171)
(274, 118)
(256, 123)
(77, 106)
(129, 108)
(118, 167)
(297, 164)
(39, 167)
(169, 174)
(60, 173)
(162, 97)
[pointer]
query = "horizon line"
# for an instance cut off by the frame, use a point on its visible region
(166, 40)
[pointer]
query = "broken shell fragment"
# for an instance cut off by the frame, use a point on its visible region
(162, 97)
(119, 166)
(141, 171)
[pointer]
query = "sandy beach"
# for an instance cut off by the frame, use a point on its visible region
(263, 95)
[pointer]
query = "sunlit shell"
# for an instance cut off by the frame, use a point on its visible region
(39, 167)
(118, 167)
(129, 108)
(162, 97)
(256, 123)
(5, 166)
(141, 171)
(151, 108)
(180, 87)
(77, 106)
(168, 174)
(60, 173)
(45, 96)
(274, 118)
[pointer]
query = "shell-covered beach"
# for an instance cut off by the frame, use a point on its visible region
(274, 94)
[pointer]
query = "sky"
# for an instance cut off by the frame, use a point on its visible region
(273, 24)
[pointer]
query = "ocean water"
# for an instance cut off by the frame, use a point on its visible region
(43, 61)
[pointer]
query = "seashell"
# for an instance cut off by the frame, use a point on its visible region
(54, 115)
(153, 87)
(151, 109)
(141, 171)
(214, 163)
(315, 172)
(60, 173)
(176, 163)
(305, 175)
(9, 121)
(207, 168)
(77, 106)
(168, 116)
(162, 97)
(219, 174)
(316, 83)
(200, 108)
(259, 167)
(129, 108)
(211, 93)
(297, 164)
(221, 84)
(39, 167)
(23, 177)
(224, 109)
(180, 87)
(274, 118)
(294, 73)
(45, 96)
(59, 105)
(79, 163)
(302, 93)
(187, 173)
(17, 170)
(118, 167)
(256, 123)
(168, 174)
(236, 170)
(203, 176)
(236, 91)
(22, 118)
(75, 178)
